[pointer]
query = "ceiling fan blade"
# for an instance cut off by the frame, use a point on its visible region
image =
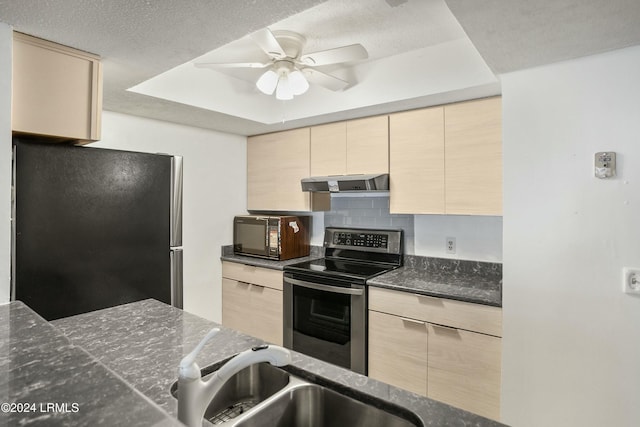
(268, 42)
(325, 80)
(214, 65)
(352, 52)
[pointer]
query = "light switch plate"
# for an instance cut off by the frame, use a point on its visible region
(631, 280)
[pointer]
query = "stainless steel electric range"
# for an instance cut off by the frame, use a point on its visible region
(325, 300)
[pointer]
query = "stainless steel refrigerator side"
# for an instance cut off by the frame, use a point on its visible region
(12, 291)
(176, 278)
(176, 201)
(176, 233)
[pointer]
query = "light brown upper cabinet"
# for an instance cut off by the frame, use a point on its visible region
(329, 149)
(447, 160)
(57, 90)
(416, 161)
(276, 162)
(368, 145)
(473, 157)
(353, 147)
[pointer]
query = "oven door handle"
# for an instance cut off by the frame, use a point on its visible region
(327, 288)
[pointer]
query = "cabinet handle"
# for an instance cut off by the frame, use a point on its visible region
(446, 328)
(413, 321)
(257, 286)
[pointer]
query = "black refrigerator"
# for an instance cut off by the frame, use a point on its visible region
(94, 228)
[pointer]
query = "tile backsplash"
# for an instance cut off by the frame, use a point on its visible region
(370, 212)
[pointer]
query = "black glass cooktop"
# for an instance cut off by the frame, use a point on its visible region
(338, 268)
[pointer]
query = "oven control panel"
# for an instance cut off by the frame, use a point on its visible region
(367, 240)
(386, 241)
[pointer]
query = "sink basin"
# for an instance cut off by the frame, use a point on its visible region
(316, 406)
(263, 395)
(243, 391)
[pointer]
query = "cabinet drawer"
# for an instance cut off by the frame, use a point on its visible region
(457, 314)
(252, 309)
(251, 274)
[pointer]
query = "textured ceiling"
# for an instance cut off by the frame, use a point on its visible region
(517, 34)
(416, 50)
(139, 40)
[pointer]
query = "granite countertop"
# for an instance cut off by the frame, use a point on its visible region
(143, 343)
(47, 380)
(469, 281)
(228, 255)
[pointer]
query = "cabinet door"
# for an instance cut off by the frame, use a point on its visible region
(416, 161)
(398, 351)
(368, 145)
(473, 153)
(276, 163)
(464, 370)
(57, 91)
(253, 309)
(329, 149)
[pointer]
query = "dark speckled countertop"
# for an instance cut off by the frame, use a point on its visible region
(46, 380)
(143, 342)
(470, 281)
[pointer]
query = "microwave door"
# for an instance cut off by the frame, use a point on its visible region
(251, 236)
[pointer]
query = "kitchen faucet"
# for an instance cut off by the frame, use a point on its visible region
(194, 394)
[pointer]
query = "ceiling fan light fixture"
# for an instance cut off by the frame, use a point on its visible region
(298, 82)
(267, 82)
(284, 91)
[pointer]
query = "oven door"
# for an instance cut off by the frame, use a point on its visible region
(326, 320)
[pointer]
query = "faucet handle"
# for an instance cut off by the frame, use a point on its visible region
(188, 367)
(273, 354)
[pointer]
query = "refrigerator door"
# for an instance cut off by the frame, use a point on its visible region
(176, 277)
(92, 228)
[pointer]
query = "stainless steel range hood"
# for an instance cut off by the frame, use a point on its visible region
(346, 183)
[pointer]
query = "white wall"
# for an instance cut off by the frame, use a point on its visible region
(571, 346)
(214, 191)
(6, 42)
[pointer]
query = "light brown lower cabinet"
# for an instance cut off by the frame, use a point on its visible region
(453, 365)
(398, 351)
(252, 301)
(464, 370)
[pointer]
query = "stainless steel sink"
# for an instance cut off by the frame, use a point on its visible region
(263, 395)
(311, 405)
(243, 391)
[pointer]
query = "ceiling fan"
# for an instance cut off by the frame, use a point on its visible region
(289, 70)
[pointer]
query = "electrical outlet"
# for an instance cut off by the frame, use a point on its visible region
(631, 278)
(451, 245)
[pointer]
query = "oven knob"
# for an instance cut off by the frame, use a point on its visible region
(348, 241)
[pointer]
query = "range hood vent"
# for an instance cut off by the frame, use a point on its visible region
(346, 183)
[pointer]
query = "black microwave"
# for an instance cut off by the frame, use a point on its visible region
(273, 237)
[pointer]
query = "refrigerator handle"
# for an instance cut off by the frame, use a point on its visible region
(176, 277)
(176, 201)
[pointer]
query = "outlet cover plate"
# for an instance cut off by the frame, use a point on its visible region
(451, 245)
